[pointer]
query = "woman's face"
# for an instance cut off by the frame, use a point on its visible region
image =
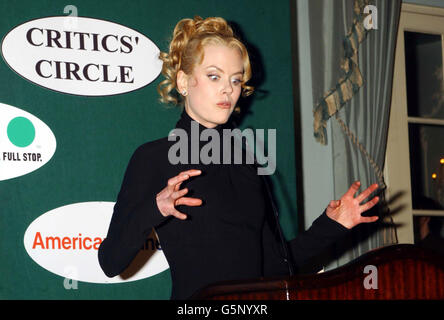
(214, 86)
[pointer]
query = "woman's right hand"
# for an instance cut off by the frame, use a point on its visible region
(171, 196)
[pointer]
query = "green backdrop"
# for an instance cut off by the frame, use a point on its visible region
(97, 135)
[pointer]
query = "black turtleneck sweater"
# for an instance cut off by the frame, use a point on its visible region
(229, 237)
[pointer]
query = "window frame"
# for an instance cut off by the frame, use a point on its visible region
(414, 18)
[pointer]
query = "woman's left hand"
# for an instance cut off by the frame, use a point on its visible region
(347, 210)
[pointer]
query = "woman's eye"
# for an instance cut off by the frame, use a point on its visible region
(237, 81)
(213, 77)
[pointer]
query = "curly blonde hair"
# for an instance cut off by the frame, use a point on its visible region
(190, 36)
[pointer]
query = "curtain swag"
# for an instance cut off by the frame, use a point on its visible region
(350, 83)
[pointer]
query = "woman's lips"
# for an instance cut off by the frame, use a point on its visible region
(224, 105)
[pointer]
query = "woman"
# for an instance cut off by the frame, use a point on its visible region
(225, 232)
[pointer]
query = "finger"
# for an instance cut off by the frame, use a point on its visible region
(367, 192)
(191, 172)
(177, 186)
(179, 215)
(192, 202)
(370, 204)
(176, 181)
(334, 204)
(172, 182)
(353, 189)
(369, 219)
(176, 195)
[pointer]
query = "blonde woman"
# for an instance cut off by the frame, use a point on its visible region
(225, 230)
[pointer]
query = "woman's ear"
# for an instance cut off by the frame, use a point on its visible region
(182, 82)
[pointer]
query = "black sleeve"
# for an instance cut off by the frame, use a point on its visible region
(303, 249)
(311, 243)
(135, 214)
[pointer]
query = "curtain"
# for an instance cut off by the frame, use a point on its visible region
(352, 69)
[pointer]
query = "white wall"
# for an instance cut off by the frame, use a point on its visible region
(433, 3)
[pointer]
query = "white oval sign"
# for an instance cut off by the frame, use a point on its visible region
(81, 56)
(26, 142)
(65, 241)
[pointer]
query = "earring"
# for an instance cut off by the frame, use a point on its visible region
(184, 93)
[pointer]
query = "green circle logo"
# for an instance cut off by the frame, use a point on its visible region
(21, 132)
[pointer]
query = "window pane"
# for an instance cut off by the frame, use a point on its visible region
(425, 90)
(426, 167)
(429, 232)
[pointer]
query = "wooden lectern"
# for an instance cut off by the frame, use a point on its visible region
(400, 271)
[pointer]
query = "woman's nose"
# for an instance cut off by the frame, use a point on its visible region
(228, 87)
